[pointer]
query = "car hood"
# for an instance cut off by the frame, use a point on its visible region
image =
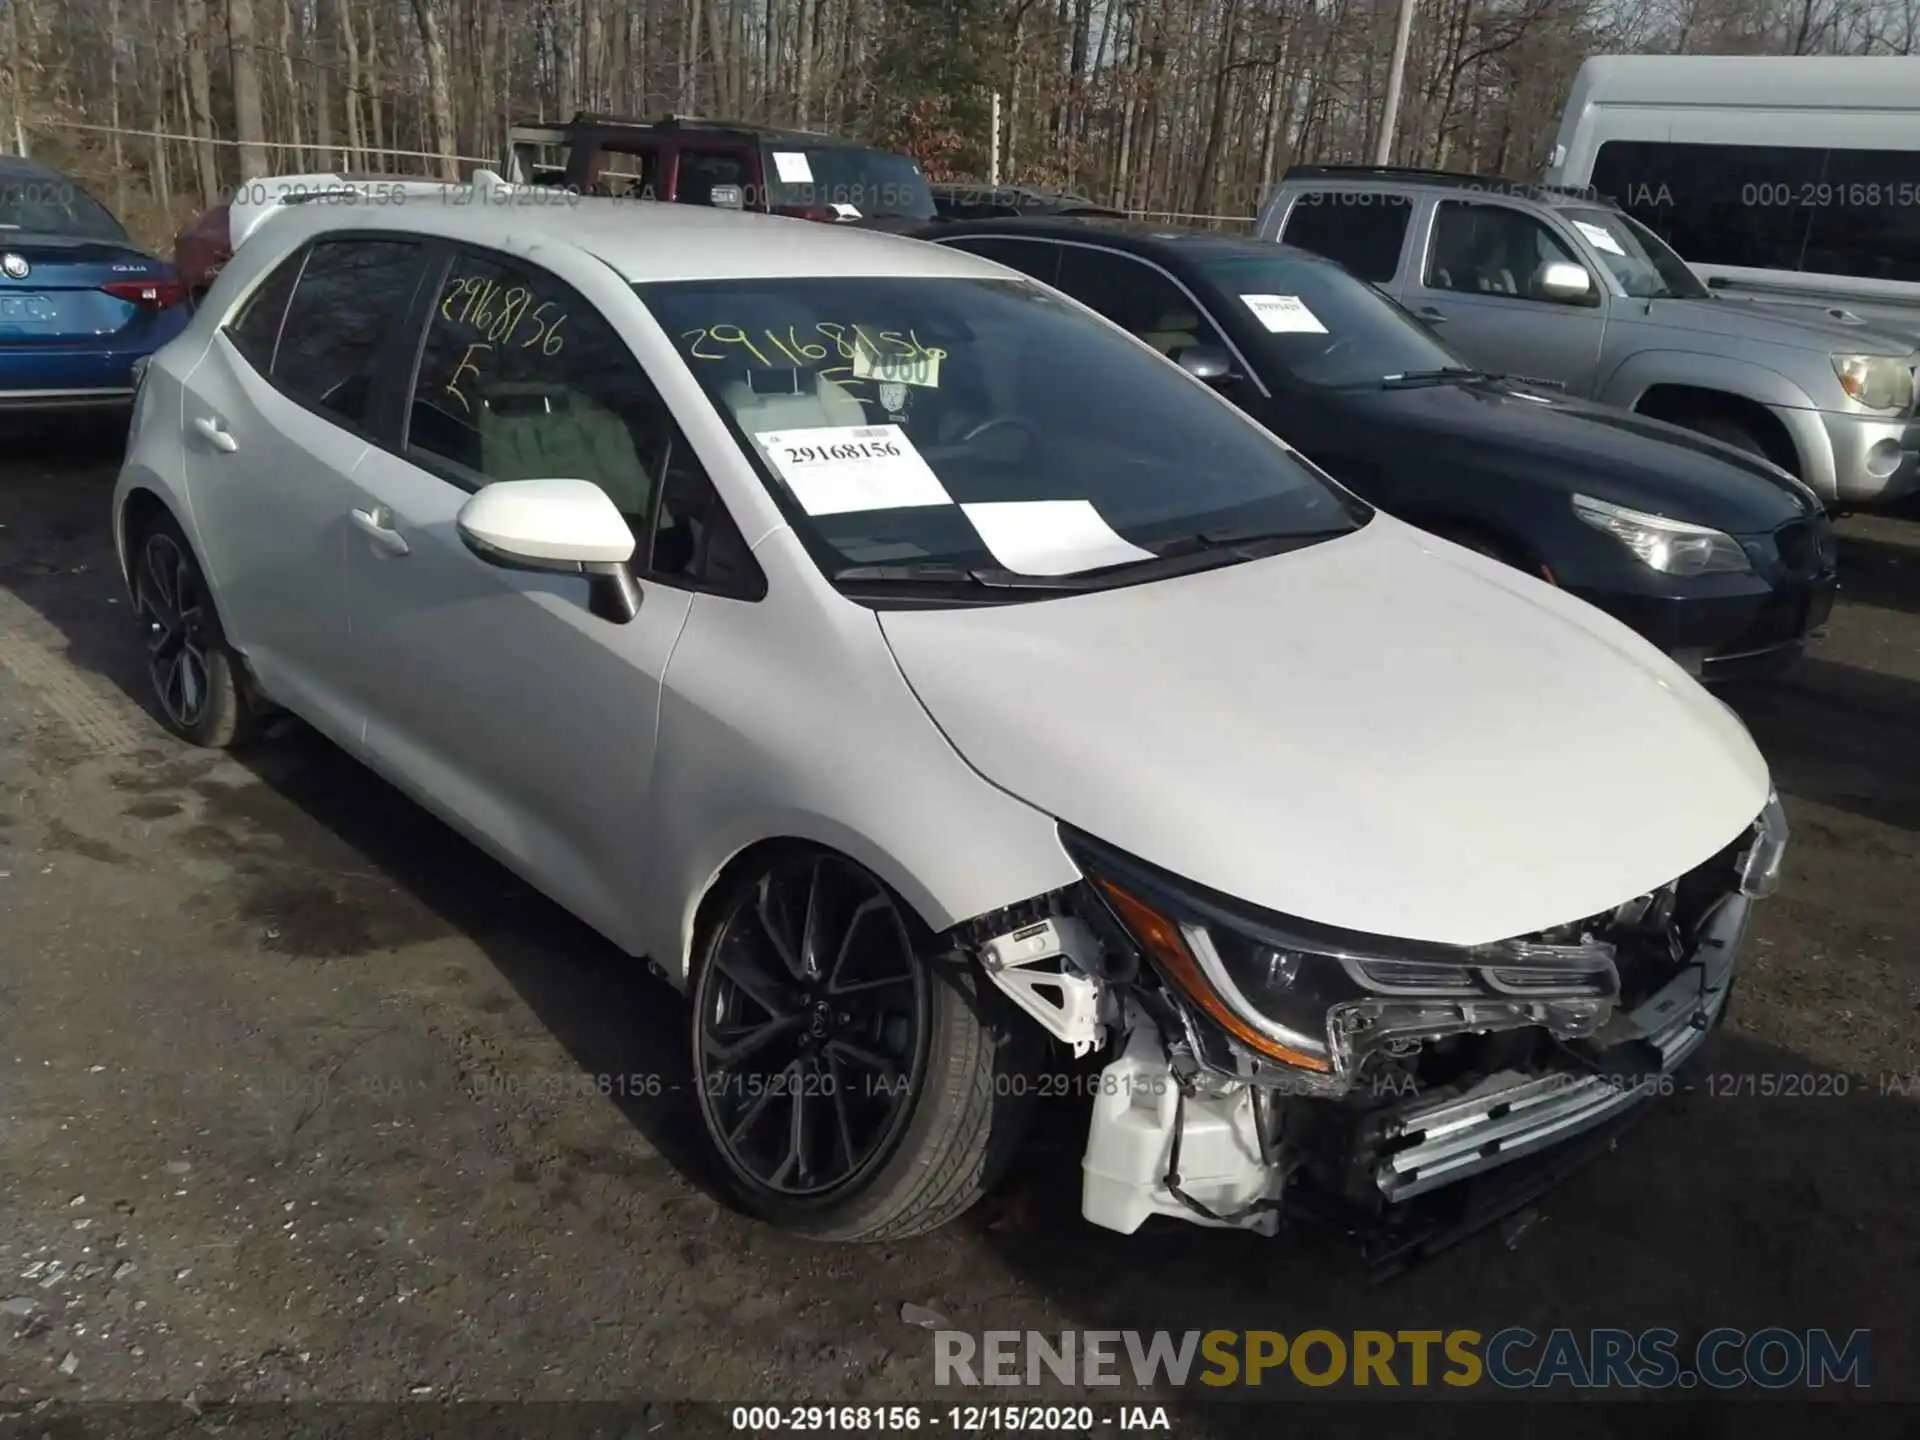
(1760, 324)
(1574, 445)
(1383, 732)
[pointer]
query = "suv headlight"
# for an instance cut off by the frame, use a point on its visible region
(1321, 1000)
(1673, 547)
(1879, 382)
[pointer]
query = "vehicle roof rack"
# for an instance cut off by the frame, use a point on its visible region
(676, 121)
(1456, 179)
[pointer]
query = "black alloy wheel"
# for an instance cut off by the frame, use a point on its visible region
(811, 1034)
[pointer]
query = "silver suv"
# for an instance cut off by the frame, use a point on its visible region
(1562, 286)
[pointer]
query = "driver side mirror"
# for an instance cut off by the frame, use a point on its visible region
(556, 527)
(1206, 362)
(1562, 281)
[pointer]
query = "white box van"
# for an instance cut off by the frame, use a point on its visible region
(1792, 180)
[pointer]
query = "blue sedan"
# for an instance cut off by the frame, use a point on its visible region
(80, 303)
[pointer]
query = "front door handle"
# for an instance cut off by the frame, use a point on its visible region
(1432, 316)
(215, 434)
(377, 525)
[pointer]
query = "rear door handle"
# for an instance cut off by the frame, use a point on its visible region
(377, 525)
(1432, 316)
(215, 434)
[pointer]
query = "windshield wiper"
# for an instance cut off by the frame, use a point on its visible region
(1247, 544)
(1449, 375)
(1202, 551)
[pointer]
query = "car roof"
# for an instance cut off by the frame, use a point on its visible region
(646, 241)
(1393, 177)
(1161, 242)
(18, 167)
(1817, 82)
(700, 125)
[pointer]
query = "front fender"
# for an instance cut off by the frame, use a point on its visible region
(1643, 370)
(1784, 398)
(789, 719)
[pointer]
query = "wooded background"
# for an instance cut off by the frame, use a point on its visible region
(1166, 107)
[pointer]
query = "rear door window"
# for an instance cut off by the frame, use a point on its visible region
(1362, 229)
(350, 294)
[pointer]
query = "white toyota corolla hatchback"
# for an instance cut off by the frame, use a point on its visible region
(917, 667)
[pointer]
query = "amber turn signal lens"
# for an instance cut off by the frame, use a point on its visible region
(1162, 937)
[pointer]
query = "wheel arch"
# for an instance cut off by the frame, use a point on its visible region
(138, 508)
(815, 832)
(1676, 403)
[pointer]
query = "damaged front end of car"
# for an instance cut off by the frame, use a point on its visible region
(1265, 1067)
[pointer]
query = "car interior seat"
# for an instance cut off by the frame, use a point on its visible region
(1173, 332)
(810, 402)
(530, 430)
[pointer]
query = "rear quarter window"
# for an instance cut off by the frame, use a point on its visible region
(255, 331)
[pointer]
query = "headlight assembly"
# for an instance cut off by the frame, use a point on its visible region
(1879, 382)
(1673, 547)
(1321, 1001)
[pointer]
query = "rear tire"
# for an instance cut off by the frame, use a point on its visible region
(856, 1082)
(197, 682)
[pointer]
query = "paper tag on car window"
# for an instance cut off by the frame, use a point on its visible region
(839, 468)
(1599, 237)
(1284, 314)
(792, 167)
(1050, 537)
(922, 368)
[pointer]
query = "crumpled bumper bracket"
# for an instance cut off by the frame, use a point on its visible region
(1510, 1115)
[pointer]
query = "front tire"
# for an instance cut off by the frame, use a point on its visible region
(1728, 431)
(856, 1083)
(193, 675)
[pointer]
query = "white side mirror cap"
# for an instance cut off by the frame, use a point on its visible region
(547, 524)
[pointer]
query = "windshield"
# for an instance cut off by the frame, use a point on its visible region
(52, 206)
(873, 182)
(986, 424)
(1320, 324)
(1641, 261)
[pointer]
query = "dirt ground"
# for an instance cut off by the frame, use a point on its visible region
(296, 1096)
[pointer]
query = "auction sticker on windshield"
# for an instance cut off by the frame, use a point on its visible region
(835, 469)
(1284, 314)
(920, 368)
(1050, 537)
(1599, 237)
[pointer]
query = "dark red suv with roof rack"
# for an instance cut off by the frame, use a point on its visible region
(727, 164)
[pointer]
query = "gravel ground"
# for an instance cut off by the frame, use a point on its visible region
(298, 1098)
